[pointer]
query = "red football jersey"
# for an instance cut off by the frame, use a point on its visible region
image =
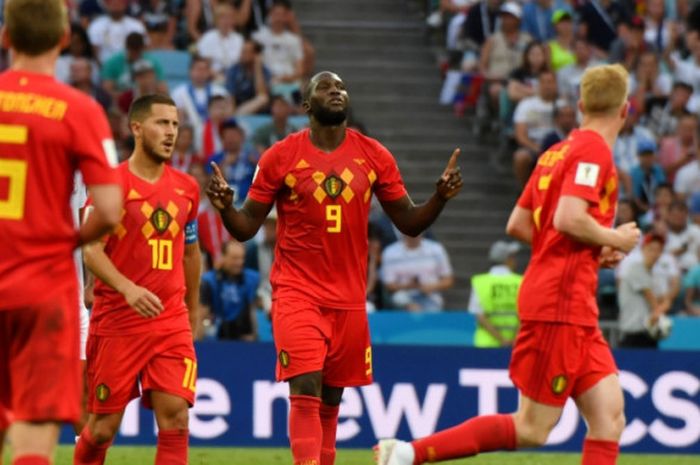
(323, 203)
(561, 280)
(148, 248)
(47, 131)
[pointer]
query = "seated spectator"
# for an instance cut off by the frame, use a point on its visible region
(118, 73)
(630, 44)
(160, 19)
(248, 81)
(292, 24)
(681, 148)
(639, 307)
(277, 129)
(687, 179)
(663, 113)
(192, 98)
(415, 270)
(648, 82)
(222, 45)
(522, 82)
(537, 18)
(687, 69)
(502, 53)
(108, 32)
(481, 23)
(259, 255)
(626, 212)
(201, 14)
(626, 146)
(452, 13)
(494, 298)
(237, 159)
(220, 108)
(81, 79)
(683, 238)
(145, 82)
(184, 155)
(646, 177)
(228, 295)
(569, 77)
(283, 52)
(561, 47)
(79, 47)
(534, 119)
(564, 123)
(657, 27)
(599, 22)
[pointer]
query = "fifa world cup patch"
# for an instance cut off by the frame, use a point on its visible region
(284, 358)
(559, 384)
(587, 174)
(102, 392)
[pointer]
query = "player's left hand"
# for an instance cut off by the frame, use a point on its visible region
(609, 257)
(450, 183)
(219, 192)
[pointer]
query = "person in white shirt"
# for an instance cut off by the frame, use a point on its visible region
(688, 179)
(222, 44)
(569, 77)
(108, 32)
(416, 270)
(683, 238)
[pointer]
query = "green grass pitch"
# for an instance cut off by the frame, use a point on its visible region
(121, 455)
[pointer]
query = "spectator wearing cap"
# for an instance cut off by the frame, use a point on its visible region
(118, 71)
(625, 150)
(222, 45)
(564, 123)
(687, 178)
(494, 298)
(248, 81)
(681, 148)
(415, 271)
(630, 44)
(599, 20)
(646, 177)
(663, 113)
(561, 46)
(277, 129)
(537, 18)
(145, 82)
(503, 51)
(81, 79)
(192, 98)
(569, 77)
(237, 159)
(639, 306)
(108, 32)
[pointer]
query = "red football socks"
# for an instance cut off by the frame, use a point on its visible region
(480, 434)
(31, 460)
(172, 447)
(305, 429)
(329, 425)
(597, 452)
(88, 452)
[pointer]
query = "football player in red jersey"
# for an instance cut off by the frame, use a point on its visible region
(146, 295)
(566, 212)
(322, 180)
(47, 130)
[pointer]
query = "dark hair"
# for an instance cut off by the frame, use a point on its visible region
(140, 108)
(283, 3)
(230, 123)
(678, 205)
(35, 26)
(197, 58)
(664, 185)
(77, 30)
(134, 41)
(215, 98)
(526, 52)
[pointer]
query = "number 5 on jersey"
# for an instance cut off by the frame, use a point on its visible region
(334, 217)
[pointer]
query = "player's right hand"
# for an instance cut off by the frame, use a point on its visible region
(219, 192)
(629, 235)
(146, 303)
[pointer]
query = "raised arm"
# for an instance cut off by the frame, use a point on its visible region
(412, 219)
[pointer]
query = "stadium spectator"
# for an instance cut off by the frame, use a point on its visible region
(252, 15)
(533, 120)
(228, 295)
(522, 82)
(375, 287)
(663, 197)
(599, 20)
(184, 154)
(222, 45)
(118, 71)
(416, 270)
(309, 53)
(569, 77)
(503, 51)
(193, 98)
(481, 22)
(626, 148)
(682, 148)
(201, 15)
(691, 285)
(237, 159)
(108, 32)
(663, 113)
(687, 68)
(657, 26)
(145, 82)
(212, 234)
(683, 238)
(494, 298)
(283, 52)
(538, 19)
(646, 177)
(630, 44)
(564, 123)
(687, 178)
(278, 128)
(451, 13)
(248, 81)
(221, 108)
(639, 307)
(648, 82)
(259, 255)
(160, 18)
(561, 47)
(81, 79)
(79, 47)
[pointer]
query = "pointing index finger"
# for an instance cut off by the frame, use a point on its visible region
(217, 170)
(452, 164)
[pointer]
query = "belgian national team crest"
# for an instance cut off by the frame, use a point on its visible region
(284, 358)
(160, 219)
(102, 392)
(559, 384)
(333, 185)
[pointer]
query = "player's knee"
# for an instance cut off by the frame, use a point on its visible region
(180, 420)
(531, 433)
(103, 432)
(306, 385)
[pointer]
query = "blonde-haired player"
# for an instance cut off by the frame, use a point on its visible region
(566, 212)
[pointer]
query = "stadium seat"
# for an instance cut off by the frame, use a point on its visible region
(175, 63)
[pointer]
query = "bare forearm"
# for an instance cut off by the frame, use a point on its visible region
(491, 329)
(417, 218)
(239, 223)
(585, 229)
(102, 267)
(192, 265)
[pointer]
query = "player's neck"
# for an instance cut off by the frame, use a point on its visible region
(606, 128)
(145, 167)
(327, 138)
(41, 64)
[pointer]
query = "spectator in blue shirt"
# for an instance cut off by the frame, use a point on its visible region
(646, 176)
(248, 81)
(237, 160)
(228, 296)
